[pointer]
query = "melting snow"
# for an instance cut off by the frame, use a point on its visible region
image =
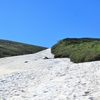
(31, 77)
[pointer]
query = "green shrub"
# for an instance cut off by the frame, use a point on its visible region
(78, 49)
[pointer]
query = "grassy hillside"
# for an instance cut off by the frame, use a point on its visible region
(78, 49)
(10, 48)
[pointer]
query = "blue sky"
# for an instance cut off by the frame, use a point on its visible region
(45, 22)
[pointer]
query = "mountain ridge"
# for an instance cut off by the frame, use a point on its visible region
(12, 48)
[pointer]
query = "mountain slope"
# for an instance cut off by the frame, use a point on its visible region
(78, 49)
(31, 77)
(22, 62)
(11, 48)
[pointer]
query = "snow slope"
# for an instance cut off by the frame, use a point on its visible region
(31, 77)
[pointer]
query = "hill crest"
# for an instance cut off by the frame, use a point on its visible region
(11, 48)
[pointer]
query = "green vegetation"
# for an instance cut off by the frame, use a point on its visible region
(10, 48)
(78, 49)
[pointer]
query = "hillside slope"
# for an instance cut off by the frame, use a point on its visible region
(78, 49)
(11, 48)
(31, 77)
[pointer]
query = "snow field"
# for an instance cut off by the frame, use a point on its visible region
(30, 77)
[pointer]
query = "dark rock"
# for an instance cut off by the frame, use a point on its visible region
(45, 58)
(26, 61)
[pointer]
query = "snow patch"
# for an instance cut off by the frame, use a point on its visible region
(30, 77)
